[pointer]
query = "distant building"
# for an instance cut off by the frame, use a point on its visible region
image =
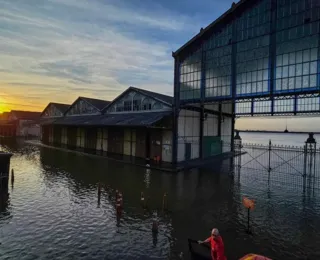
(136, 124)
(20, 123)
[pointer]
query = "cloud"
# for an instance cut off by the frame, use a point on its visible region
(70, 48)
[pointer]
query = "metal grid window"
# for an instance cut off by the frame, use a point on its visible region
(253, 66)
(297, 45)
(308, 104)
(254, 22)
(262, 106)
(284, 105)
(243, 107)
(190, 77)
(253, 28)
(218, 63)
(218, 72)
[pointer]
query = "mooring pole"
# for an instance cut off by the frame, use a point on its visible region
(99, 192)
(248, 220)
(12, 177)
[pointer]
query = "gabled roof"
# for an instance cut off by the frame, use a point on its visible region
(61, 107)
(161, 97)
(26, 115)
(99, 104)
(168, 100)
(211, 27)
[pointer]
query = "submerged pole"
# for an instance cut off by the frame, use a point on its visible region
(99, 193)
(12, 177)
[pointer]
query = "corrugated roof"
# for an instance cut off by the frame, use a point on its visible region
(127, 119)
(26, 115)
(98, 103)
(61, 107)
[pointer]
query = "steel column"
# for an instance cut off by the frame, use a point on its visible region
(272, 52)
(233, 79)
(176, 108)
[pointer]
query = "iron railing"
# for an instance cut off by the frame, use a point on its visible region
(288, 165)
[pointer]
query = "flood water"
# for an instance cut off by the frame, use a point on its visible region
(53, 213)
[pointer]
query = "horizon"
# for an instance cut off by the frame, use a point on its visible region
(57, 50)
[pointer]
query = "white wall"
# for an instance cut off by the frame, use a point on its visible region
(226, 133)
(188, 132)
(166, 146)
(226, 108)
(210, 125)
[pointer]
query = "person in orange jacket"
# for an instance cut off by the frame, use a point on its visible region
(217, 245)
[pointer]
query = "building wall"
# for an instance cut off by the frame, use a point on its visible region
(64, 135)
(81, 135)
(188, 135)
(167, 146)
(25, 128)
(127, 142)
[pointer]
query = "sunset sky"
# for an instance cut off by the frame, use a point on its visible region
(57, 50)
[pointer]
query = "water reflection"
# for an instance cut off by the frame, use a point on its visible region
(56, 213)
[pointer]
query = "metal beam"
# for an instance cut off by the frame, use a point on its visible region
(233, 79)
(219, 119)
(206, 111)
(272, 52)
(176, 108)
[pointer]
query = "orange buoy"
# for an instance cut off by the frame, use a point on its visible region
(247, 203)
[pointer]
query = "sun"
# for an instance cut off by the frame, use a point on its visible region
(3, 107)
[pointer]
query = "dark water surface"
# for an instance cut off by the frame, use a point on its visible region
(53, 212)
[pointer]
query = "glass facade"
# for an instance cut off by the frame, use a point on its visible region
(297, 45)
(190, 76)
(276, 51)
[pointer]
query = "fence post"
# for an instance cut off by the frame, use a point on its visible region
(269, 160)
(305, 168)
(311, 146)
(238, 146)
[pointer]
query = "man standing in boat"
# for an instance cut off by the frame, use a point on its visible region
(217, 246)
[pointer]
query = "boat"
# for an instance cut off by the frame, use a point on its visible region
(202, 252)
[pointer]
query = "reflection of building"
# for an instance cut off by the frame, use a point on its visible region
(136, 124)
(20, 123)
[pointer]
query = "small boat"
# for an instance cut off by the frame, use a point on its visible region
(199, 251)
(202, 252)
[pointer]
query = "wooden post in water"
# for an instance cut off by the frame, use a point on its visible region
(99, 193)
(165, 202)
(12, 177)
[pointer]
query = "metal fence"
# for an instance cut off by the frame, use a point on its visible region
(279, 164)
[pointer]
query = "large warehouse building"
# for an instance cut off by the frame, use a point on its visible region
(135, 126)
(260, 58)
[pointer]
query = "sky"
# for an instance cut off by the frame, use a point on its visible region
(57, 50)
